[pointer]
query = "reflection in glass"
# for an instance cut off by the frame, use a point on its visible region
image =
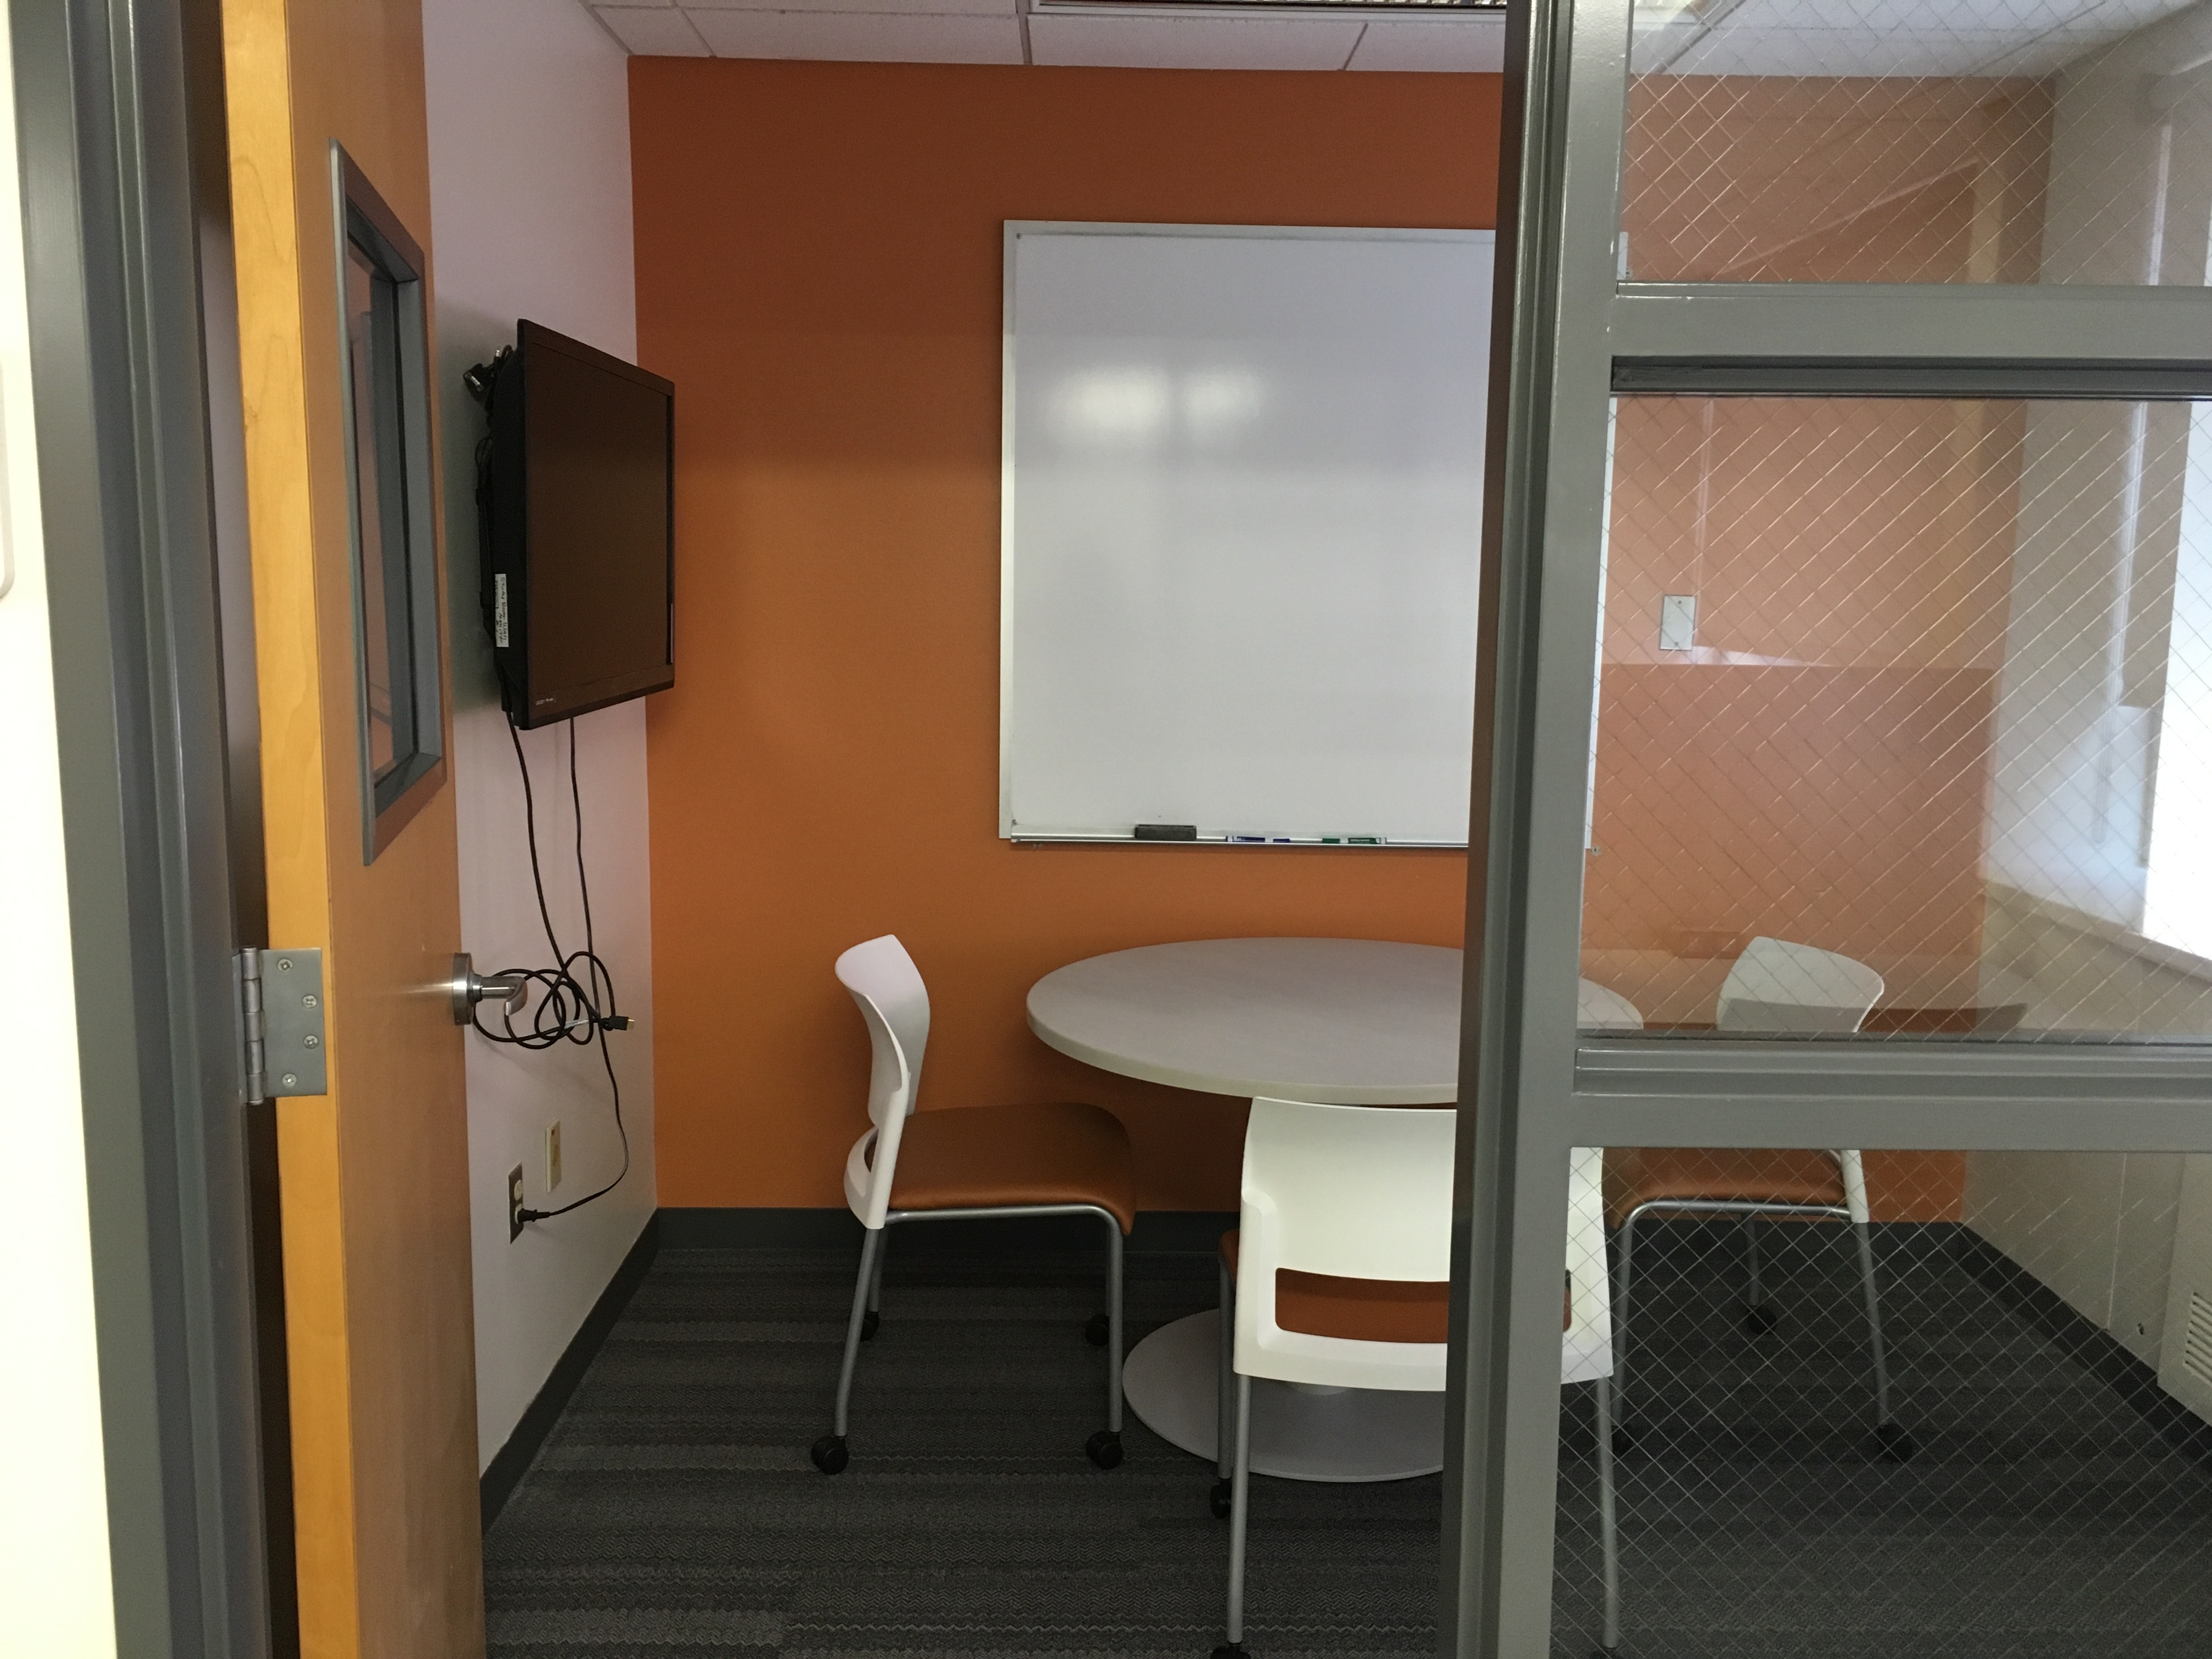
(1945, 716)
(379, 484)
(1919, 140)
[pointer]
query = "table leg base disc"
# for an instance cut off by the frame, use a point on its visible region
(1357, 1434)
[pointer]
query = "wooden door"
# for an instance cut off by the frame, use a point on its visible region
(374, 1172)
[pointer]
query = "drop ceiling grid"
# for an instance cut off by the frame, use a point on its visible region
(993, 32)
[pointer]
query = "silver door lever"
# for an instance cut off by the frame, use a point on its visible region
(469, 988)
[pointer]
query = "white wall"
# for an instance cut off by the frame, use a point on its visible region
(55, 1588)
(529, 116)
(2130, 202)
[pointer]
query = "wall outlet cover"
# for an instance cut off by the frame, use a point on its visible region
(514, 1204)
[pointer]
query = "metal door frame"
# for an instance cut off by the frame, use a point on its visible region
(111, 114)
(1570, 334)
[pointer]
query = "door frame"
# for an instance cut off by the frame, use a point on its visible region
(106, 100)
(1571, 334)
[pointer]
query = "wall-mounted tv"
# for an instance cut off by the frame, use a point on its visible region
(576, 488)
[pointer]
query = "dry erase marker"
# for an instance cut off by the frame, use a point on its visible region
(1249, 841)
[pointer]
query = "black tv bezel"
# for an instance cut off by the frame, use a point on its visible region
(508, 537)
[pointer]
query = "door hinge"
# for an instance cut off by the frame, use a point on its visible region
(281, 997)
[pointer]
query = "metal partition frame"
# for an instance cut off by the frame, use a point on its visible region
(112, 101)
(1569, 335)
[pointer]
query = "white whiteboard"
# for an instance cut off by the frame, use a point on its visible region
(1242, 518)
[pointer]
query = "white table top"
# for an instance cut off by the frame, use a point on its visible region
(1341, 1022)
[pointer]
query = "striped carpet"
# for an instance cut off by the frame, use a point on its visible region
(672, 1512)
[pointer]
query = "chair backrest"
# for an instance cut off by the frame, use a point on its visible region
(1776, 986)
(1586, 1346)
(1356, 1192)
(1597, 1008)
(1365, 1191)
(894, 1004)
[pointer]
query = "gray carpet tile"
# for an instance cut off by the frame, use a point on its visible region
(2048, 1512)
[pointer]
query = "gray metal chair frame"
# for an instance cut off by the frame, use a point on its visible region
(1751, 1210)
(868, 1288)
(1232, 1466)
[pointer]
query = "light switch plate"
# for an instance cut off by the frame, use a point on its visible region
(1678, 622)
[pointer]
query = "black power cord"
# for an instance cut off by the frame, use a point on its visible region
(570, 1009)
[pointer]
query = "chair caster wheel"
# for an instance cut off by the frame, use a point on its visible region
(1104, 1449)
(1624, 1441)
(871, 1321)
(829, 1455)
(1759, 1318)
(1229, 1651)
(1221, 1499)
(1098, 1330)
(1898, 1444)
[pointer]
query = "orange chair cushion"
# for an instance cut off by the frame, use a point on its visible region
(1361, 1310)
(1635, 1176)
(1000, 1156)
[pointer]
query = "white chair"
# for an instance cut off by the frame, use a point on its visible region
(1339, 1276)
(963, 1164)
(1599, 1009)
(1774, 986)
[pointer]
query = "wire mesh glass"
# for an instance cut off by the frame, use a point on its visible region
(1904, 721)
(1970, 1426)
(1919, 141)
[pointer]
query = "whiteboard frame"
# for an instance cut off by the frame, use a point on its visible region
(1014, 230)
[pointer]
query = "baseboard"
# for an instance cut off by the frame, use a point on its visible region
(2088, 1345)
(505, 1471)
(1157, 1231)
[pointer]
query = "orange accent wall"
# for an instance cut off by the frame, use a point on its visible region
(818, 268)
(818, 261)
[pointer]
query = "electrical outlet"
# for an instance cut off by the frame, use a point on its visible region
(553, 1156)
(514, 1204)
(1678, 622)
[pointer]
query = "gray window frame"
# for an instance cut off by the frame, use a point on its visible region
(1570, 334)
(362, 219)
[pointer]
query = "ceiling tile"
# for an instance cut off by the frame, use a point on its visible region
(1467, 48)
(835, 8)
(652, 31)
(1844, 52)
(1259, 43)
(860, 37)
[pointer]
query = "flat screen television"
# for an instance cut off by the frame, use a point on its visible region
(576, 489)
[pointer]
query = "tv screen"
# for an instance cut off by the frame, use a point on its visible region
(578, 491)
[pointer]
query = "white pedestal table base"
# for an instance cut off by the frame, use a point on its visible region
(1297, 1433)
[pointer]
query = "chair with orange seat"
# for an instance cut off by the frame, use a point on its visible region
(1785, 988)
(967, 1164)
(1340, 1272)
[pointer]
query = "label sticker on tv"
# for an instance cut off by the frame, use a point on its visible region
(499, 609)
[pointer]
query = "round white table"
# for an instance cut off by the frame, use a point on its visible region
(1337, 1021)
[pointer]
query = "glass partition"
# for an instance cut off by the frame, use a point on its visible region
(1905, 720)
(1976, 1436)
(1919, 141)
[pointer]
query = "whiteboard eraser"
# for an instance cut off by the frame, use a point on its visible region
(1167, 832)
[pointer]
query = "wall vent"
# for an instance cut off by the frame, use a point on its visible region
(2197, 1344)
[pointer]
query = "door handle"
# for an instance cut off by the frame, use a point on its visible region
(469, 988)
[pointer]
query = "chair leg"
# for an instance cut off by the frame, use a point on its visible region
(1105, 1446)
(1608, 1521)
(1759, 1318)
(1895, 1440)
(1239, 1510)
(1225, 1390)
(1620, 1297)
(875, 1296)
(829, 1452)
